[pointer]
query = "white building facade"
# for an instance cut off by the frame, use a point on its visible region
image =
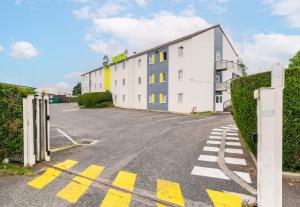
(190, 74)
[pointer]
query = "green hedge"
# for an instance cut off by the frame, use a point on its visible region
(244, 112)
(11, 119)
(95, 100)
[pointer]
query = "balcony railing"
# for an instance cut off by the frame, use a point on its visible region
(223, 86)
(227, 65)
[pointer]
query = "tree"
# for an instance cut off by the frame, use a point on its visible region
(77, 89)
(242, 67)
(295, 61)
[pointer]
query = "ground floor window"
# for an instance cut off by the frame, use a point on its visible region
(139, 98)
(180, 97)
(116, 98)
(124, 98)
(162, 98)
(219, 97)
(152, 98)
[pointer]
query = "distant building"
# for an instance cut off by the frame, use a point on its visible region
(188, 74)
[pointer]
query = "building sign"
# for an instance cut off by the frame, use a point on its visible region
(105, 60)
(119, 58)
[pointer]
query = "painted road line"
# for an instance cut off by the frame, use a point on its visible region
(124, 180)
(67, 136)
(221, 199)
(76, 188)
(231, 125)
(232, 138)
(211, 149)
(213, 142)
(171, 118)
(235, 161)
(195, 120)
(51, 174)
(233, 144)
(209, 172)
(214, 137)
(234, 151)
(216, 133)
(217, 129)
(244, 176)
(232, 134)
(208, 158)
(170, 192)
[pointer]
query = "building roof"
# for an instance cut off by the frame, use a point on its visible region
(171, 43)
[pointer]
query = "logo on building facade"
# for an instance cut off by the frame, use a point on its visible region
(105, 60)
(119, 57)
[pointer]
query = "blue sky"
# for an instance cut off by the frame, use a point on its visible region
(49, 43)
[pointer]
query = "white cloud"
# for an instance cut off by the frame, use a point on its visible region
(18, 2)
(141, 3)
(73, 75)
(23, 49)
(217, 7)
(287, 8)
(189, 10)
(1, 48)
(267, 49)
(141, 33)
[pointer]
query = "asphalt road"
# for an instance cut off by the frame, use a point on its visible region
(152, 145)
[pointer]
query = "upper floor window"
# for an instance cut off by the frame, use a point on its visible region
(123, 64)
(162, 56)
(180, 74)
(180, 51)
(162, 77)
(152, 59)
(100, 72)
(152, 79)
(139, 80)
(116, 82)
(123, 81)
(218, 55)
(139, 62)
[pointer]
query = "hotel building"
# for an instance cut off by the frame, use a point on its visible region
(189, 74)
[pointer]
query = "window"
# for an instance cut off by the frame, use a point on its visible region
(162, 98)
(180, 51)
(100, 85)
(100, 72)
(95, 86)
(152, 59)
(219, 97)
(162, 77)
(218, 76)
(139, 63)
(162, 56)
(139, 80)
(218, 55)
(123, 81)
(123, 64)
(116, 98)
(139, 98)
(180, 74)
(152, 98)
(115, 67)
(152, 79)
(180, 97)
(116, 82)
(123, 98)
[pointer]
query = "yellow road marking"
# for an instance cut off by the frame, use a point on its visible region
(115, 198)
(51, 174)
(220, 199)
(76, 188)
(170, 192)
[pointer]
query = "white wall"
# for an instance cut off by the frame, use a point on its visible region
(139, 89)
(197, 64)
(119, 73)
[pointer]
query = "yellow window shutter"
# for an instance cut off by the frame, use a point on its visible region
(153, 58)
(161, 98)
(153, 78)
(161, 56)
(153, 98)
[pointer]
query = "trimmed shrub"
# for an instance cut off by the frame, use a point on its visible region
(95, 100)
(244, 112)
(11, 119)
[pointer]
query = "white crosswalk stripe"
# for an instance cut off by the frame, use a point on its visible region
(244, 176)
(215, 137)
(209, 172)
(217, 129)
(213, 142)
(234, 151)
(217, 133)
(232, 134)
(211, 149)
(235, 161)
(208, 158)
(233, 144)
(232, 138)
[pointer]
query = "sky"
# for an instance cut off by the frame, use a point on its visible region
(47, 44)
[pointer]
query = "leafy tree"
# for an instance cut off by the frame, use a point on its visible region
(295, 61)
(243, 67)
(77, 89)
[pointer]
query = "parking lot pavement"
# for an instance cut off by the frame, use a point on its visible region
(158, 156)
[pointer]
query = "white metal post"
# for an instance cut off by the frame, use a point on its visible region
(28, 142)
(47, 128)
(269, 148)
